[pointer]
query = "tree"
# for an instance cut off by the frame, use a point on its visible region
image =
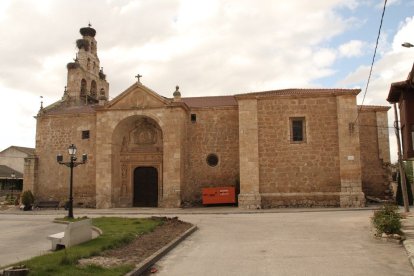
(408, 165)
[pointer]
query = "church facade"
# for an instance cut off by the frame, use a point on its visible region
(291, 147)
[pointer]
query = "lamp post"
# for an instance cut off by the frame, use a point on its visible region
(71, 164)
(13, 176)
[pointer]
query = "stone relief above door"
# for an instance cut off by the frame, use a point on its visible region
(144, 137)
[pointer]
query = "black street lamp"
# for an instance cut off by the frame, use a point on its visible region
(71, 164)
(13, 176)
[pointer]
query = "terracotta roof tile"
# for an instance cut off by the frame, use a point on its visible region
(29, 151)
(72, 109)
(301, 91)
(374, 107)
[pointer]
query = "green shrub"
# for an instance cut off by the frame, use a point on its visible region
(27, 198)
(387, 219)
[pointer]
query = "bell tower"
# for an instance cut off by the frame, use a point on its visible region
(86, 82)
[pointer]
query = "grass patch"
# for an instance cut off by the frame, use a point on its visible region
(116, 232)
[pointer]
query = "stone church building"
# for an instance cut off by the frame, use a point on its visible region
(290, 147)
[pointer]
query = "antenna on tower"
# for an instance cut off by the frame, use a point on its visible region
(41, 102)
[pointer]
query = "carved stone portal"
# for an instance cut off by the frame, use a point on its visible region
(124, 179)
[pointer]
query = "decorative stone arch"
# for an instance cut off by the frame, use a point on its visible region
(109, 122)
(137, 142)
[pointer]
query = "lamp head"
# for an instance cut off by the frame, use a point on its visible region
(72, 150)
(59, 158)
(407, 45)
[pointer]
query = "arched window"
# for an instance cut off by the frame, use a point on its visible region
(92, 47)
(94, 65)
(93, 88)
(83, 87)
(89, 62)
(102, 92)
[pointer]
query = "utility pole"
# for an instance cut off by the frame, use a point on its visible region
(400, 164)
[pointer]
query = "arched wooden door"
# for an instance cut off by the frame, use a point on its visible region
(145, 187)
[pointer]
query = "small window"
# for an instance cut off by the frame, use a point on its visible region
(85, 134)
(297, 129)
(212, 160)
(193, 118)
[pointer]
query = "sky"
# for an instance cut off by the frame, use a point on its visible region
(213, 47)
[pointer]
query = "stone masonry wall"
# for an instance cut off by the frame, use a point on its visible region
(375, 178)
(298, 173)
(55, 133)
(215, 131)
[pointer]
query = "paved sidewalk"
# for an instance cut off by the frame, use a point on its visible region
(408, 229)
(208, 217)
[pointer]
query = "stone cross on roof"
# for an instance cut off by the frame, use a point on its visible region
(138, 78)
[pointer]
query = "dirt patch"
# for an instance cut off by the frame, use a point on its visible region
(143, 246)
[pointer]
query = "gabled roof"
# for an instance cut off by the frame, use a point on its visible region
(28, 151)
(6, 172)
(133, 88)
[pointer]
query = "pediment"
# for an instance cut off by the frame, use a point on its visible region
(138, 97)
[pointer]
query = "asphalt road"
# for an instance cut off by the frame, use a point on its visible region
(311, 243)
(23, 237)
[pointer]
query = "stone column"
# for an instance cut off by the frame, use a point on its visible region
(103, 163)
(173, 159)
(249, 196)
(30, 173)
(383, 136)
(349, 153)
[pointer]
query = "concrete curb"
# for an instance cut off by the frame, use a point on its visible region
(145, 264)
(190, 211)
(408, 243)
(409, 247)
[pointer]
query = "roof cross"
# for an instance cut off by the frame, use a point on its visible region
(138, 78)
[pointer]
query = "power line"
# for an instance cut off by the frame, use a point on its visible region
(373, 59)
